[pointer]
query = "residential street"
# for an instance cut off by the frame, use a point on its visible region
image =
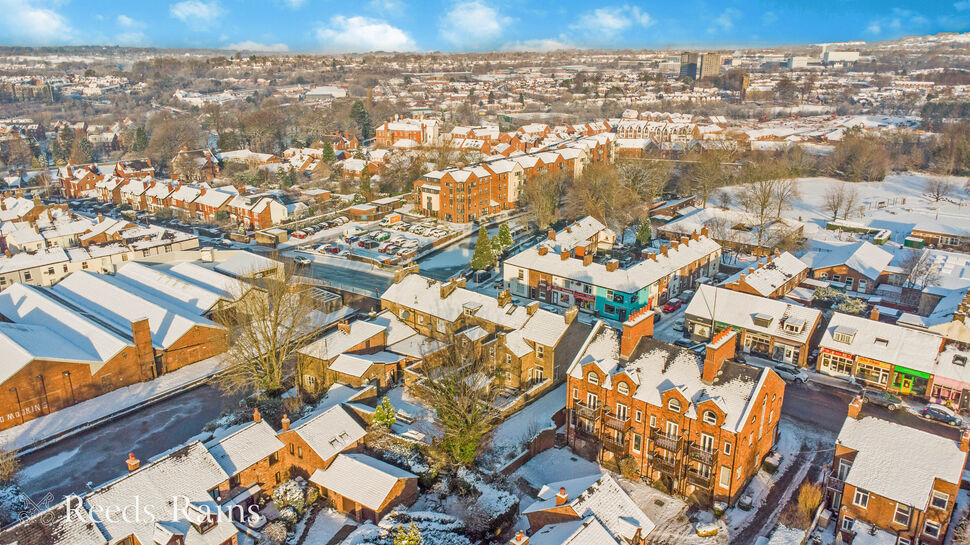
(98, 455)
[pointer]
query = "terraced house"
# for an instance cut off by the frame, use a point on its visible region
(891, 483)
(564, 270)
(698, 426)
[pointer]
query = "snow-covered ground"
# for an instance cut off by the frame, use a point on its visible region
(523, 425)
(555, 465)
(326, 525)
(77, 416)
(424, 419)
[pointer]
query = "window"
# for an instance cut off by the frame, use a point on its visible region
(540, 351)
(931, 528)
(609, 309)
(674, 405)
(233, 482)
(903, 541)
(575, 393)
(442, 326)
(847, 523)
(710, 417)
(653, 421)
(292, 449)
(637, 442)
(274, 458)
(593, 378)
(638, 416)
(844, 335)
(521, 274)
(940, 500)
(623, 388)
(727, 448)
(725, 478)
(861, 498)
(278, 477)
(960, 360)
(901, 516)
(299, 452)
(420, 319)
(27, 274)
(310, 381)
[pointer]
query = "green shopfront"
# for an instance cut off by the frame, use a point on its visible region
(910, 382)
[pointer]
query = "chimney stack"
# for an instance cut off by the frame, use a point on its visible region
(693, 236)
(587, 260)
(344, 327)
(639, 325)
(543, 250)
(684, 240)
(141, 336)
(285, 423)
(704, 231)
(663, 250)
(564, 255)
(503, 298)
(256, 416)
(133, 463)
(855, 406)
(532, 307)
(612, 265)
(720, 349)
(570, 315)
(552, 234)
(520, 539)
(562, 498)
(965, 440)
(874, 314)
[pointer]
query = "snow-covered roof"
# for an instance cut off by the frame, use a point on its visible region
(768, 277)
(358, 364)
(330, 432)
(587, 531)
(752, 312)
(881, 444)
(888, 343)
(597, 496)
(339, 341)
(863, 257)
(152, 281)
(628, 280)
(245, 264)
(656, 367)
(358, 477)
(23, 343)
(245, 447)
(577, 233)
(116, 301)
(424, 294)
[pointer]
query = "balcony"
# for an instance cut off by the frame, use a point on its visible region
(702, 455)
(614, 445)
(833, 482)
(664, 441)
(671, 468)
(698, 480)
(620, 424)
(587, 411)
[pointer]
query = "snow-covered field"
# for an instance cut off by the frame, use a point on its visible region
(326, 525)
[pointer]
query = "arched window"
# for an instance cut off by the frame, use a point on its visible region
(623, 388)
(674, 404)
(593, 378)
(710, 417)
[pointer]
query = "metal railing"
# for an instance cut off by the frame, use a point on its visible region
(587, 411)
(664, 441)
(617, 423)
(702, 455)
(697, 479)
(670, 468)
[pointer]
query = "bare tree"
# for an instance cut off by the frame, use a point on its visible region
(542, 197)
(851, 200)
(833, 200)
(786, 192)
(602, 193)
(919, 270)
(706, 176)
(269, 322)
(460, 384)
(758, 200)
(939, 188)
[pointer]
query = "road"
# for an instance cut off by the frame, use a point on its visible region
(99, 455)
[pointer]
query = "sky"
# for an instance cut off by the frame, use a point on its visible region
(331, 26)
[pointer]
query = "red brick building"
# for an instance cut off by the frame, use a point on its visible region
(699, 426)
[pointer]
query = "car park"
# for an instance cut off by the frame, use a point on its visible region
(381, 236)
(790, 373)
(885, 399)
(411, 243)
(937, 412)
(302, 260)
(298, 234)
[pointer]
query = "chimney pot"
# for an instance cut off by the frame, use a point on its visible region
(132, 462)
(344, 327)
(965, 440)
(552, 234)
(855, 407)
(562, 498)
(285, 422)
(874, 314)
(256, 416)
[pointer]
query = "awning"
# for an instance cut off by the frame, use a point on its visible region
(905, 371)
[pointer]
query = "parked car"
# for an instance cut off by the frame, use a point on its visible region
(885, 399)
(381, 235)
(673, 305)
(302, 260)
(299, 234)
(368, 244)
(333, 250)
(684, 343)
(410, 243)
(686, 295)
(790, 373)
(937, 412)
(679, 326)
(739, 357)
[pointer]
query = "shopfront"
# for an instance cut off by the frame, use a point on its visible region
(757, 343)
(875, 373)
(835, 363)
(785, 353)
(949, 392)
(910, 381)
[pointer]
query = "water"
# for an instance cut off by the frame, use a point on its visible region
(453, 259)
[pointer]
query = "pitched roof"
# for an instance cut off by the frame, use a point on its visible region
(424, 294)
(338, 341)
(330, 432)
(863, 257)
(245, 447)
(365, 480)
(751, 311)
(884, 342)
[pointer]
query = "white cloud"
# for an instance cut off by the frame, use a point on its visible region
(25, 22)
(608, 22)
(725, 21)
(359, 34)
(130, 38)
(874, 27)
(127, 22)
(543, 45)
(389, 6)
(250, 45)
(900, 21)
(195, 13)
(472, 24)
(294, 3)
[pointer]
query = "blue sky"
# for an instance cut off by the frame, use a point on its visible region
(468, 25)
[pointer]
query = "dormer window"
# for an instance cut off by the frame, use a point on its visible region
(674, 405)
(762, 320)
(593, 378)
(794, 325)
(710, 417)
(623, 388)
(844, 334)
(960, 360)
(881, 342)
